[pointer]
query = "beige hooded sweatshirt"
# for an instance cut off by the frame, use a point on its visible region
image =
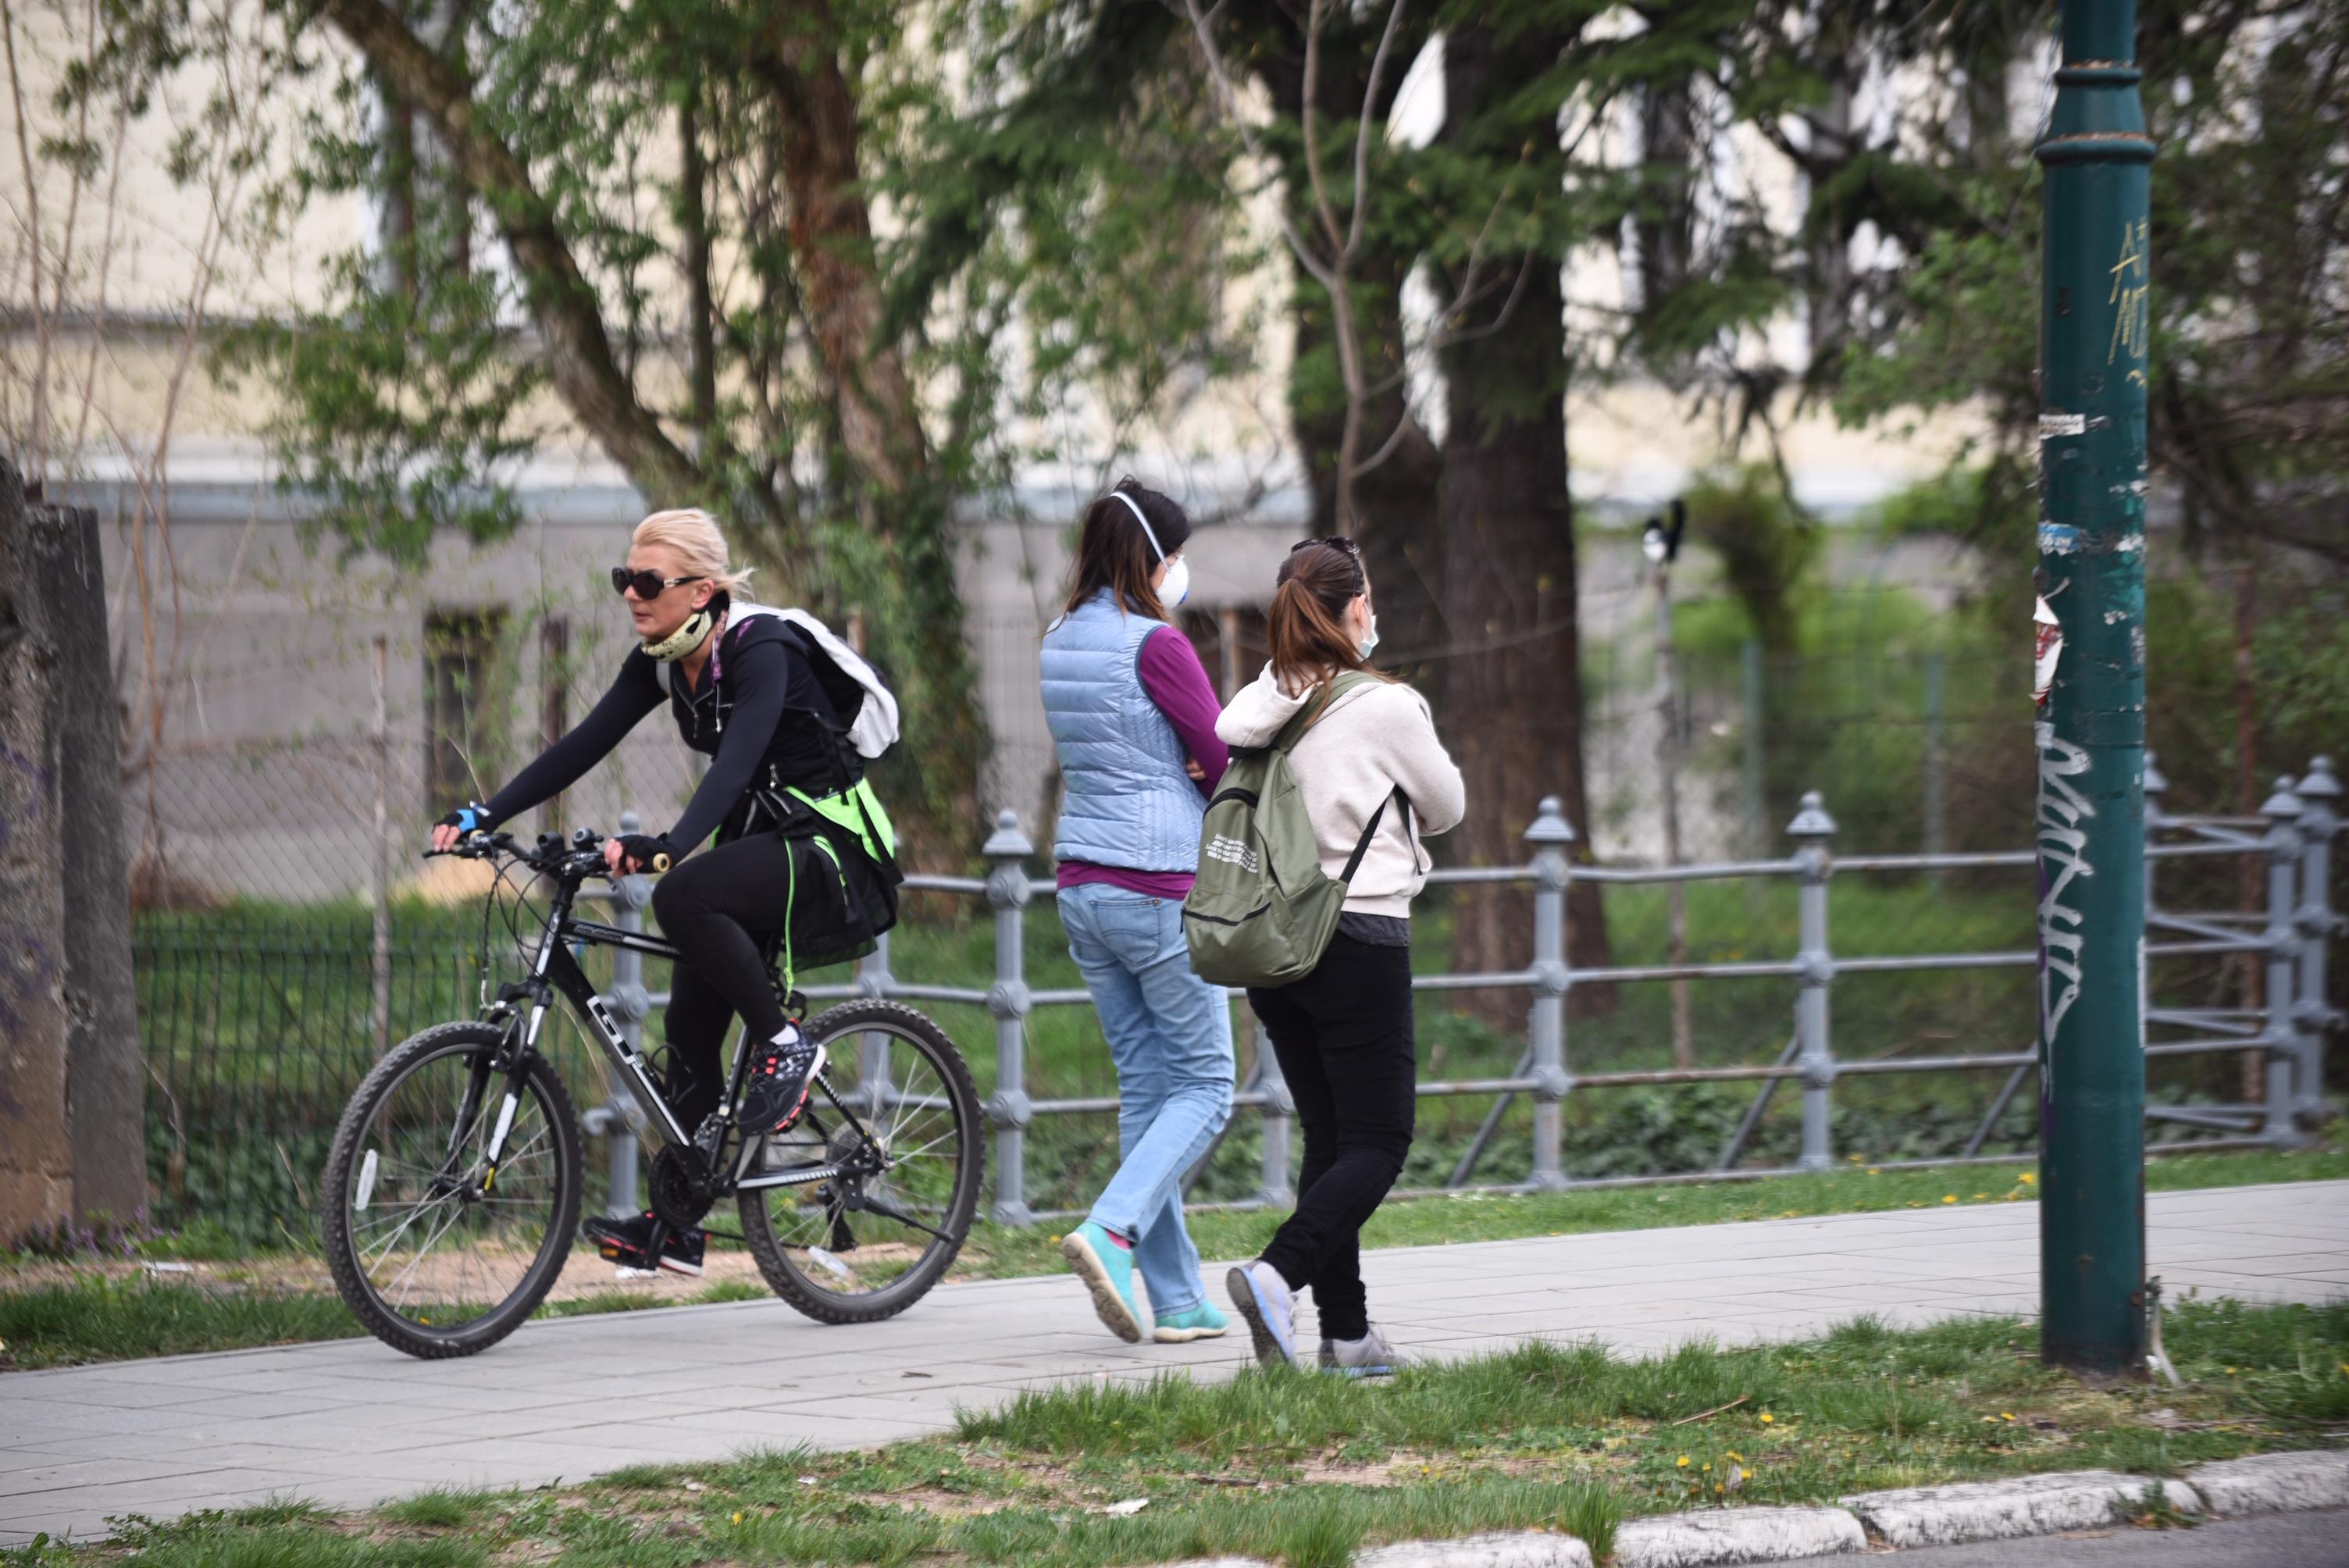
(1373, 738)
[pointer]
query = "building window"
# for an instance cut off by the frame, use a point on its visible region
(460, 659)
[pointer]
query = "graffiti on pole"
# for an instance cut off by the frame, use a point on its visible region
(2063, 860)
(2131, 299)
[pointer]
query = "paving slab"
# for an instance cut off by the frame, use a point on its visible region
(352, 1422)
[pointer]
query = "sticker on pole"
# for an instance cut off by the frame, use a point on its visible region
(2047, 647)
(2052, 426)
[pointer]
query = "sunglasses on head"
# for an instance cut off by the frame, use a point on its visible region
(648, 584)
(1337, 542)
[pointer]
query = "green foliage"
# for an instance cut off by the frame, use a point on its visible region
(397, 412)
(1765, 544)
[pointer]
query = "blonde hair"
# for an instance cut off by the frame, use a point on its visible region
(692, 533)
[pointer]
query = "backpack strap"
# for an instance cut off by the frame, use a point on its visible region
(1370, 829)
(1310, 714)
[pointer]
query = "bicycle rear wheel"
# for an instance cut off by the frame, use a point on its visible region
(436, 1254)
(898, 1116)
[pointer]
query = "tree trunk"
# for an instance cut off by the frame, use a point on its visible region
(1513, 709)
(831, 232)
(1401, 549)
(1395, 501)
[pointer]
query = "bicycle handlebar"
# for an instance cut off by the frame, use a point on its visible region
(582, 858)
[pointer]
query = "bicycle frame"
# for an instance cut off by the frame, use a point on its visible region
(555, 970)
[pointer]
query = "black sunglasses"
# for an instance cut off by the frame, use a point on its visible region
(648, 584)
(1337, 542)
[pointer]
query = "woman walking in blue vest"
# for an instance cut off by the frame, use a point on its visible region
(1133, 716)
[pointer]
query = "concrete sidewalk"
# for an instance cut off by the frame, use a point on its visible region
(352, 1422)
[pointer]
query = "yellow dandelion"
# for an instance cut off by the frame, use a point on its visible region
(1738, 1457)
(1708, 1469)
(2028, 1180)
(2006, 1415)
(2230, 1371)
(1980, 1196)
(1683, 1462)
(1948, 1197)
(1767, 1417)
(738, 1516)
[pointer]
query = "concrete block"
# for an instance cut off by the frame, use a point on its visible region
(1736, 1535)
(1526, 1550)
(2272, 1483)
(2005, 1510)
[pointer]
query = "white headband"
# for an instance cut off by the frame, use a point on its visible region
(1146, 531)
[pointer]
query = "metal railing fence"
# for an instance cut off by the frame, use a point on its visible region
(2291, 840)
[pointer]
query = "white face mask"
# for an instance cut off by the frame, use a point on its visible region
(1369, 638)
(1178, 586)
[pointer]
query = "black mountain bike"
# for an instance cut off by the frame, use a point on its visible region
(452, 1191)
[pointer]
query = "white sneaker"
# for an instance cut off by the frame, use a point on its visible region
(1270, 1308)
(1369, 1357)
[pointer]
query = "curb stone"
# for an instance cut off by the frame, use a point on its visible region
(1510, 1550)
(1736, 1535)
(2273, 1483)
(2005, 1510)
(1916, 1516)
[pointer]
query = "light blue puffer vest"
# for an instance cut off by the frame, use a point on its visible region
(1129, 802)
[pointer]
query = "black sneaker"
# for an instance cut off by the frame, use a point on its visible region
(776, 1087)
(625, 1243)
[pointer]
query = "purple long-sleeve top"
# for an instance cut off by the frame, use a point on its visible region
(1177, 682)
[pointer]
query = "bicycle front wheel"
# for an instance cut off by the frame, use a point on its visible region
(435, 1252)
(896, 1119)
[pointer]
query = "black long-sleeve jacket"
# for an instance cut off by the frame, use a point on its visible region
(759, 706)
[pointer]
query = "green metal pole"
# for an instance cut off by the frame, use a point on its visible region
(2094, 323)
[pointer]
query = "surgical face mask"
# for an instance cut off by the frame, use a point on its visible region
(682, 641)
(1369, 638)
(1178, 586)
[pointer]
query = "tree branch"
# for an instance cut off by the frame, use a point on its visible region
(579, 352)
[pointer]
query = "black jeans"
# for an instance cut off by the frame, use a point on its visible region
(1343, 1038)
(720, 907)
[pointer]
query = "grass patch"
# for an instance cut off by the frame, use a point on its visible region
(442, 1508)
(95, 1317)
(98, 1318)
(1307, 1470)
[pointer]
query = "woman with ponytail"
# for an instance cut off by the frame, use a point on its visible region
(1368, 762)
(1134, 720)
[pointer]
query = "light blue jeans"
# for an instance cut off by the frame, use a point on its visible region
(1169, 1034)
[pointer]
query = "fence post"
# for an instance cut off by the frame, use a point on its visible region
(1552, 869)
(629, 1005)
(1008, 1107)
(1757, 837)
(2156, 786)
(1935, 806)
(2320, 793)
(875, 980)
(2283, 813)
(1280, 1106)
(1815, 972)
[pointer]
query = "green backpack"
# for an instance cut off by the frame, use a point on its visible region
(1262, 912)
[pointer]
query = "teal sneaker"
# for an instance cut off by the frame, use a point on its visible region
(1201, 1322)
(1107, 1269)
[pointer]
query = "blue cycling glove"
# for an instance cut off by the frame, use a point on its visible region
(472, 818)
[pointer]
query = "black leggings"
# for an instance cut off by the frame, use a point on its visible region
(1343, 1038)
(720, 908)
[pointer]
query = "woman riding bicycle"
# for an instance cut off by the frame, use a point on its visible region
(800, 852)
